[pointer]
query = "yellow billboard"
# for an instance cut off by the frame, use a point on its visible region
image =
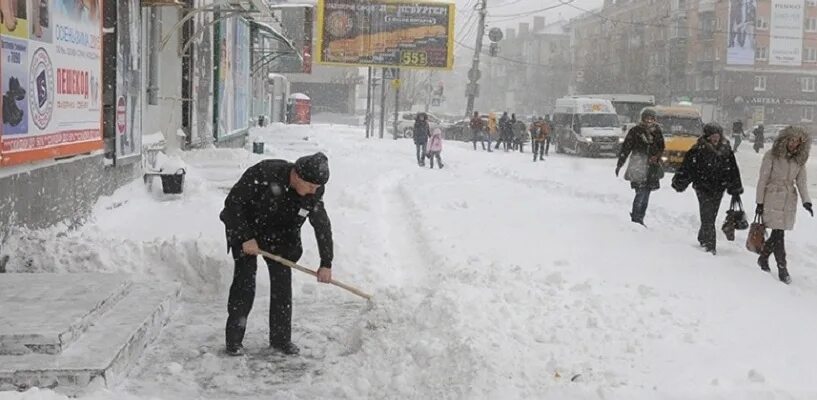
(386, 33)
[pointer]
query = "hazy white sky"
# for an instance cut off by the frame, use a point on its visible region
(509, 13)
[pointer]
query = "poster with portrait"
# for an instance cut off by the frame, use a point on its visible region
(740, 47)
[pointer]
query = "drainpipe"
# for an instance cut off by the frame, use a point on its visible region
(154, 44)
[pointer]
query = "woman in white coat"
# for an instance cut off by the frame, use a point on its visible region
(783, 168)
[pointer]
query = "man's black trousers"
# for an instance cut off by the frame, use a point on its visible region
(242, 292)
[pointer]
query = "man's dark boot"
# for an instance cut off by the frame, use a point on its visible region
(235, 351)
(287, 348)
(783, 274)
(763, 262)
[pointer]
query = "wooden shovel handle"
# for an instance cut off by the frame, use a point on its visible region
(293, 265)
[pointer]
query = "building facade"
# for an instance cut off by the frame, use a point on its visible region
(749, 60)
(530, 71)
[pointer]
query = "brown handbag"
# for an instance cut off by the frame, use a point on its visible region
(757, 235)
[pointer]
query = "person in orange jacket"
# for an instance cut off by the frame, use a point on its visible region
(540, 132)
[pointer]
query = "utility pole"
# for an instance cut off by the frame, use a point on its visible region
(474, 74)
(382, 102)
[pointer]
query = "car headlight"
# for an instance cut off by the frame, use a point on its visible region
(621, 140)
(664, 158)
(588, 140)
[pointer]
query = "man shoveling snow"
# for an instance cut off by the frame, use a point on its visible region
(265, 210)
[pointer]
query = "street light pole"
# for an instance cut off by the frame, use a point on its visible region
(474, 74)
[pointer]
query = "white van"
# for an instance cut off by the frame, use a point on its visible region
(586, 126)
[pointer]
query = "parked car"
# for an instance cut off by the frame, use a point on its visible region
(461, 130)
(405, 123)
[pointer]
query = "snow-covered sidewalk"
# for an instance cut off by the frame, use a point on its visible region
(495, 277)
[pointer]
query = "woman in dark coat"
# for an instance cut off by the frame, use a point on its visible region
(421, 135)
(711, 168)
(644, 146)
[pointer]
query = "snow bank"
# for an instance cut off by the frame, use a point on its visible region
(493, 278)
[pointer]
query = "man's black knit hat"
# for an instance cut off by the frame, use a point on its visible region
(313, 168)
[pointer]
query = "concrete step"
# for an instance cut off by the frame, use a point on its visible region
(45, 313)
(105, 351)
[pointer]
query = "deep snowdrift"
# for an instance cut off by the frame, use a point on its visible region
(495, 277)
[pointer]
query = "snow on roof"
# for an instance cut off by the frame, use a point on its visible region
(299, 96)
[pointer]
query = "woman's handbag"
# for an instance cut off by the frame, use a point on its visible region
(735, 219)
(757, 235)
(637, 168)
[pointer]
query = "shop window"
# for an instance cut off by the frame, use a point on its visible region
(760, 83)
(807, 83)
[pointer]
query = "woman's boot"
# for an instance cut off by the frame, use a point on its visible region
(783, 274)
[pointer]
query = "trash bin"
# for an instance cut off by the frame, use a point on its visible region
(173, 183)
(301, 109)
(258, 147)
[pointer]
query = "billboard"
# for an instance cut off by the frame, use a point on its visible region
(50, 79)
(740, 48)
(386, 33)
(786, 32)
(233, 87)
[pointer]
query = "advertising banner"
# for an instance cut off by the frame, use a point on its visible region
(740, 48)
(233, 86)
(386, 33)
(128, 83)
(50, 74)
(786, 30)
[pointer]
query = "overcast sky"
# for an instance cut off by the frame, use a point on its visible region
(509, 13)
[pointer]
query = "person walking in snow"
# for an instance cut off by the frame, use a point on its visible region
(782, 176)
(643, 145)
(477, 126)
(520, 133)
(539, 132)
(435, 147)
(491, 129)
(265, 210)
(760, 137)
(421, 134)
(737, 134)
(711, 168)
(505, 132)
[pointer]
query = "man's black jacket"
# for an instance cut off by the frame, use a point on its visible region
(263, 206)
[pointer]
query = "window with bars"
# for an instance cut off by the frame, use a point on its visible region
(762, 53)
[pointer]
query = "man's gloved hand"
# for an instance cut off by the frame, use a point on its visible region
(808, 208)
(759, 209)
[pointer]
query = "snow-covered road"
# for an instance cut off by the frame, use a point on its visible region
(494, 278)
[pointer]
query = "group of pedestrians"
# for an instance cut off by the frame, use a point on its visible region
(511, 133)
(711, 168)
